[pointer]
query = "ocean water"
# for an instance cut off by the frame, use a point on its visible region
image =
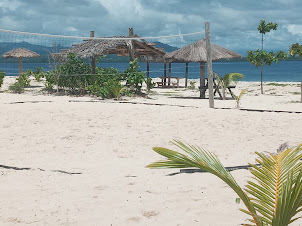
(284, 71)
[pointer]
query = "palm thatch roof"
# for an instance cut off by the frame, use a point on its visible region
(97, 47)
(196, 52)
(20, 52)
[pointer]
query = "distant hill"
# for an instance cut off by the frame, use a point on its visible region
(45, 50)
(40, 49)
(166, 47)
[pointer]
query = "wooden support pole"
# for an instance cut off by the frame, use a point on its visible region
(148, 69)
(93, 57)
(165, 72)
(20, 65)
(131, 49)
(209, 64)
(202, 79)
(187, 70)
(169, 78)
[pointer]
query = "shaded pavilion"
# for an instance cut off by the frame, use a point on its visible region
(197, 52)
(131, 46)
(20, 53)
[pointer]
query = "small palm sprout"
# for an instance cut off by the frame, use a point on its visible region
(238, 98)
(225, 81)
(273, 198)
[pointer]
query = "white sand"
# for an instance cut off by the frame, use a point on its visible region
(110, 144)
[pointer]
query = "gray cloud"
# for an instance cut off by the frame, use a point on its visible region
(233, 23)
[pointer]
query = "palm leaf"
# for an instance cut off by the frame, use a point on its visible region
(205, 160)
(278, 194)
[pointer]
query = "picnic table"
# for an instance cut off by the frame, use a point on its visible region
(216, 88)
(165, 83)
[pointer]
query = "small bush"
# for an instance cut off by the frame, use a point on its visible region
(50, 78)
(134, 77)
(17, 87)
(192, 85)
(2, 75)
(38, 73)
(24, 78)
(150, 85)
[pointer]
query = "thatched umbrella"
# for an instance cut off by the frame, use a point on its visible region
(197, 52)
(20, 53)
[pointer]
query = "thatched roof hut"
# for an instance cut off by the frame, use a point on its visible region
(197, 52)
(120, 45)
(20, 53)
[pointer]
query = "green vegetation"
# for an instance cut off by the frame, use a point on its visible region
(2, 75)
(238, 98)
(23, 79)
(278, 84)
(16, 87)
(273, 197)
(134, 77)
(192, 85)
(261, 57)
(38, 73)
(149, 84)
(225, 81)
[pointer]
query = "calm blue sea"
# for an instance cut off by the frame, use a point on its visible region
(284, 71)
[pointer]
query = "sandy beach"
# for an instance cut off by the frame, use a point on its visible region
(69, 160)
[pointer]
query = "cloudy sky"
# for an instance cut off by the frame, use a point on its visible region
(233, 23)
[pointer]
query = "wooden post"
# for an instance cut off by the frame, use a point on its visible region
(187, 70)
(209, 64)
(169, 79)
(147, 69)
(20, 65)
(93, 57)
(165, 72)
(202, 80)
(131, 49)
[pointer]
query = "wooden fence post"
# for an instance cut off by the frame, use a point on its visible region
(209, 64)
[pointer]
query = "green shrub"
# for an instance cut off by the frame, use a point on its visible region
(134, 77)
(75, 74)
(24, 78)
(17, 87)
(2, 75)
(38, 73)
(150, 85)
(192, 85)
(51, 80)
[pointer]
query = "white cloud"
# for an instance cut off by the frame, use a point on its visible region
(295, 29)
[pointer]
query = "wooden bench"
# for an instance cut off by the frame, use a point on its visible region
(216, 89)
(160, 84)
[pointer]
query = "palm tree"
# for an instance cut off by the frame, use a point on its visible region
(225, 81)
(274, 198)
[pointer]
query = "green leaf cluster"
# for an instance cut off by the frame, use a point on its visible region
(273, 197)
(265, 28)
(261, 57)
(134, 77)
(2, 75)
(295, 50)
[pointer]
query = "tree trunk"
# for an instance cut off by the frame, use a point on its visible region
(262, 79)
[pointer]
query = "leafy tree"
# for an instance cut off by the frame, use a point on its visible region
(274, 197)
(226, 80)
(134, 77)
(296, 50)
(261, 57)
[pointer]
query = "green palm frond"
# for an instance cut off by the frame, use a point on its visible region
(205, 160)
(275, 195)
(278, 194)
